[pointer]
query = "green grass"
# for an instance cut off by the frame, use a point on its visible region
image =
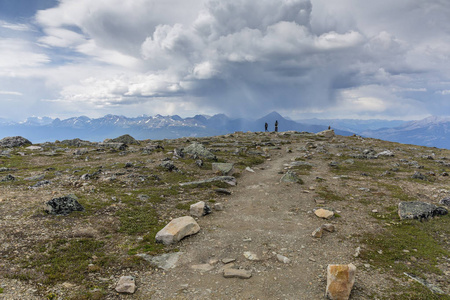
(367, 166)
(67, 260)
(328, 195)
(138, 219)
(424, 240)
(396, 192)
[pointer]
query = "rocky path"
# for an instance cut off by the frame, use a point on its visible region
(266, 228)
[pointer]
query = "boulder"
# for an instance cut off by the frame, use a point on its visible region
(326, 133)
(176, 230)
(419, 210)
(223, 168)
(126, 285)
(8, 177)
(125, 139)
(290, 177)
(63, 205)
(165, 261)
(340, 280)
(200, 209)
(445, 201)
(197, 150)
(14, 141)
(168, 165)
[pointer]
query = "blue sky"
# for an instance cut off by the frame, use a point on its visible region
(302, 58)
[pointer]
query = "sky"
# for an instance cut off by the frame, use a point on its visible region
(303, 58)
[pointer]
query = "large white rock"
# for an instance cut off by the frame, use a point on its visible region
(177, 229)
(340, 280)
(199, 209)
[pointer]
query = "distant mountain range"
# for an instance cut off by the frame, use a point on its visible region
(432, 131)
(38, 129)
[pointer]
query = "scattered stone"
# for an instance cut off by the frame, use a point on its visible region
(357, 252)
(8, 177)
(419, 210)
(34, 148)
(197, 150)
(15, 141)
(126, 285)
(324, 213)
(387, 153)
(35, 178)
(432, 288)
(298, 164)
(248, 169)
(223, 168)
(228, 260)
(63, 205)
(235, 273)
(114, 146)
(79, 152)
(40, 183)
(326, 133)
(3, 169)
(165, 261)
(125, 139)
(226, 179)
(418, 175)
(445, 201)
(200, 209)
(202, 267)
(250, 255)
(283, 259)
(318, 232)
(333, 164)
(222, 191)
(218, 206)
(340, 280)
(168, 165)
(328, 227)
(149, 148)
(290, 177)
(177, 229)
(199, 162)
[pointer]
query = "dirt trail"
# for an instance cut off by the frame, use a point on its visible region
(267, 218)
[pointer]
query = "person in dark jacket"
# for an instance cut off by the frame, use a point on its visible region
(266, 126)
(276, 126)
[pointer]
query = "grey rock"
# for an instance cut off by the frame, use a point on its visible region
(228, 260)
(149, 148)
(35, 177)
(290, 177)
(445, 201)
(168, 165)
(317, 233)
(419, 210)
(226, 179)
(165, 261)
(75, 142)
(63, 205)
(3, 169)
(199, 162)
(40, 183)
(125, 139)
(222, 191)
(223, 168)
(126, 285)
(235, 273)
(299, 164)
(34, 148)
(387, 153)
(218, 206)
(197, 150)
(283, 259)
(7, 178)
(418, 175)
(79, 152)
(14, 141)
(114, 146)
(200, 209)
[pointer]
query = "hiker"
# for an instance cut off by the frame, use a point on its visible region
(329, 127)
(266, 126)
(276, 126)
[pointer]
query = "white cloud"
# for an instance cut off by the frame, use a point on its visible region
(16, 53)
(15, 26)
(11, 93)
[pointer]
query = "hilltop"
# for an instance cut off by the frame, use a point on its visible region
(129, 190)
